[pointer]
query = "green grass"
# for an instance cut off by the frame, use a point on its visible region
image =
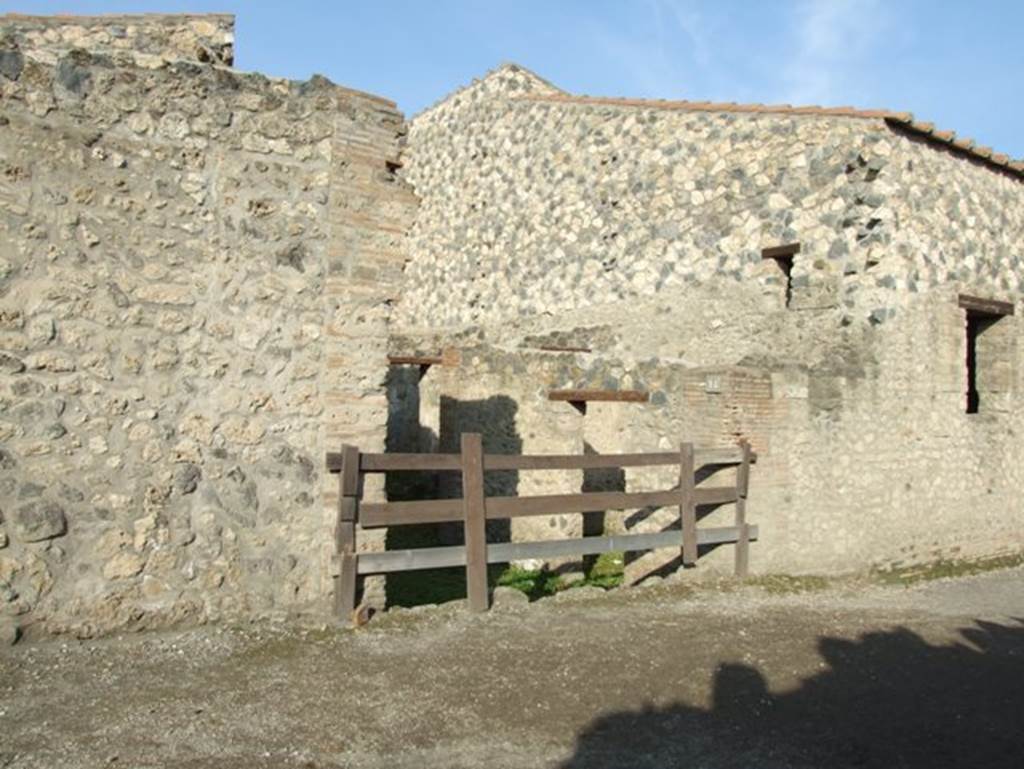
(435, 586)
(944, 568)
(605, 573)
(417, 588)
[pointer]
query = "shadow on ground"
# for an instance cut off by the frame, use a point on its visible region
(888, 699)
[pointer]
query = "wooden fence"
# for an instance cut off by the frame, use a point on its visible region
(475, 508)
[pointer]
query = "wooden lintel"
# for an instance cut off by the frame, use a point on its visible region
(582, 396)
(987, 306)
(415, 360)
(777, 252)
(556, 348)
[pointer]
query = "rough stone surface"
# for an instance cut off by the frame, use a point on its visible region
(202, 272)
(508, 598)
(9, 632)
(636, 232)
(38, 520)
(170, 382)
(150, 38)
(558, 206)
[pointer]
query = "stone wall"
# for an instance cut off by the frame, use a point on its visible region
(543, 205)
(148, 38)
(637, 231)
(866, 457)
(195, 275)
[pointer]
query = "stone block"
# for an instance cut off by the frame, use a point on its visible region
(39, 520)
(9, 631)
(508, 599)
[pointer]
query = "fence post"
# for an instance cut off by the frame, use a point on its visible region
(345, 532)
(687, 506)
(475, 526)
(742, 528)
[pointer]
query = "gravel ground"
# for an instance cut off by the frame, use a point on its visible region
(854, 676)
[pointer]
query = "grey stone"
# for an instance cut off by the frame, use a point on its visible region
(571, 578)
(27, 388)
(6, 460)
(54, 431)
(508, 598)
(288, 456)
(187, 477)
(39, 520)
(119, 297)
(10, 364)
(575, 594)
(237, 495)
(30, 491)
(9, 631)
(11, 64)
(652, 581)
(74, 75)
(3, 539)
(70, 493)
(838, 249)
(293, 256)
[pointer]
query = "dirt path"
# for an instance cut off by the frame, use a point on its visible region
(931, 676)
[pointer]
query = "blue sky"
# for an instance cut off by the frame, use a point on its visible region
(958, 65)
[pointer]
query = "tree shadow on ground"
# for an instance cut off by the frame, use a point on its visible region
(888, 699)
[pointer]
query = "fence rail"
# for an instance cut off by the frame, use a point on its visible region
(475, 508)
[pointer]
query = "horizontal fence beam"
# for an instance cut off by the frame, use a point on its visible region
(503, 552)
(380, 463)
(442, 510)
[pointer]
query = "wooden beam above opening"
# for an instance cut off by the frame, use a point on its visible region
(778, 252)
(987, 306)
(556, 348)
(582, 396)
(415, 360)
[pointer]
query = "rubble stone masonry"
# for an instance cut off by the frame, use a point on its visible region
(203, 271)
(195, 274)
(637, 229)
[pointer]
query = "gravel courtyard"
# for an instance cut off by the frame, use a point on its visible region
(850, 676)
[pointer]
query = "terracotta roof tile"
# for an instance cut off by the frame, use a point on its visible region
(904, 120)
(708, 106)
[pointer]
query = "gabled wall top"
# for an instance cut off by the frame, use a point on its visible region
(505, 81)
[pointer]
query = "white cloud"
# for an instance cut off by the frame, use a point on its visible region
(833, 42)
(693, 27)
(661, 54)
